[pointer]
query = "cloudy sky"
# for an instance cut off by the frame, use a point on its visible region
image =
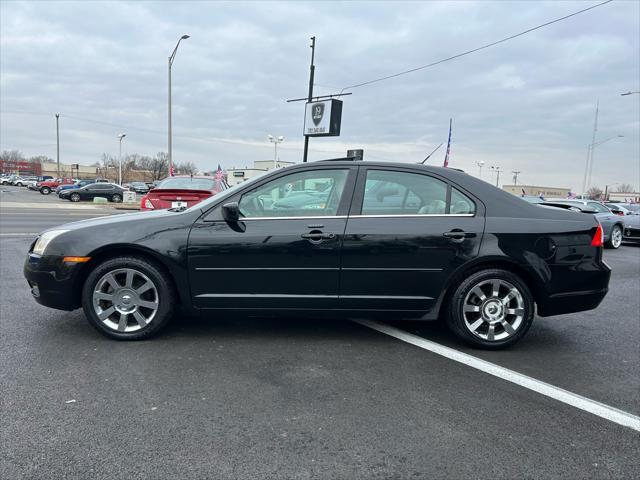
(526, 105)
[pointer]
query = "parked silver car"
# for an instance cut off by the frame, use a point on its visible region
(612, 224)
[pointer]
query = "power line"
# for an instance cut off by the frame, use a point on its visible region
(468, 52)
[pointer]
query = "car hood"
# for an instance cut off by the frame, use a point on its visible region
(117, 220)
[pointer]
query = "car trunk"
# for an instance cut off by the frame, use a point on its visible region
(174, 198)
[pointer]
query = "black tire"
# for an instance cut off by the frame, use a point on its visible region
(74, 197)
(116, 198)
(459, 324)
(45, 190)
(615, 241)
(166, 297)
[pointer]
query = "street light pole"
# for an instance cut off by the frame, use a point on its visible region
(480, 164)
(58, 142)
(497, 170)
(120, 137)
(170, 146)
(515, 176)
(275, 142)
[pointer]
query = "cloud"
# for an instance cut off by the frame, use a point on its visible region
(527, 104)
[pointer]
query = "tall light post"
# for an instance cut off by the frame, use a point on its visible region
(480, 164)
(275, 142)
(515, 176)
(171, 58)
(120, 137)
(606, 189)
(497, 170)
(589, 166)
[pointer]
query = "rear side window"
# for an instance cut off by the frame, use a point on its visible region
(404, 193)
(461, 204)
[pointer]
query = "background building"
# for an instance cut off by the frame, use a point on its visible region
(537, 190)
(239, 175)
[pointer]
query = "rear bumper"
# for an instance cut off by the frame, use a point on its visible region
(52, 281)
(571, 302)
(585, 290)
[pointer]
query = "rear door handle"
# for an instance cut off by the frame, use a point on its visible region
(316, 237)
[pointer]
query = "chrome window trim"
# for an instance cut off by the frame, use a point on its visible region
(290, 295)
(316, 217)
(416, 215)
(320, 217)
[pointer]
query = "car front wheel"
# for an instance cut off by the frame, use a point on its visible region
(116, 198)
(615, 239)
(74, 197)
(45, 190)
(128, 298)
(491, 309)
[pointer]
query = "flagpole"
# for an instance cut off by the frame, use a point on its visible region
(446, 155)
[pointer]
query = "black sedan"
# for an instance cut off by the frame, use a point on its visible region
(110, 191)
(430, 243)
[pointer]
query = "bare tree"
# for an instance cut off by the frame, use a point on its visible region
(625, 187)
(186, 168)
(594, 193)
(12, 156)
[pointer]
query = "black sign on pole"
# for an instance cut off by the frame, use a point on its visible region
(357, 154)
(323, 118)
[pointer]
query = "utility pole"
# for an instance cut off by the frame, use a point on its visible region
(312, 69)
(120, 137)
(515, 176)
(58, 142)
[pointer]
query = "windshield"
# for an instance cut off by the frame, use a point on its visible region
(188, 183)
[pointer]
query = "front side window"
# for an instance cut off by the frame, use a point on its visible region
(303, 194)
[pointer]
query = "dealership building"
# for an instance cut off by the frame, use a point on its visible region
(239, 175)
(537, 190)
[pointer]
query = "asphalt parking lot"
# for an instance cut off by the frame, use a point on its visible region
(304, 398)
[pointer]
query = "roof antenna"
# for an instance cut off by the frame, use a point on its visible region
(429, 156)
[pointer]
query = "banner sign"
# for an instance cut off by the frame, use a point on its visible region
(322, 119)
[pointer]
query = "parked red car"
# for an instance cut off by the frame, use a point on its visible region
(47, 186)
(181, 191)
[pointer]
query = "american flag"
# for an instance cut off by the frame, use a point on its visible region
(446, 155)
(219, 173)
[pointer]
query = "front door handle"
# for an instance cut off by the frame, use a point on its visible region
(318, 236)
(458, 235)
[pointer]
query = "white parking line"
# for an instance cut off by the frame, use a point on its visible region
(19, 234)
(578, 401)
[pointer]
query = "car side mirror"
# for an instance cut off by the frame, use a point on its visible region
(231, 212)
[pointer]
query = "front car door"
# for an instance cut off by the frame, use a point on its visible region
(284, 253)
(407, 231)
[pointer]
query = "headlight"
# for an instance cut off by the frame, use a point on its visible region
(44, 239)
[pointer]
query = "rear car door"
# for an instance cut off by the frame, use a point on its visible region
(406, 232)
(284, 253)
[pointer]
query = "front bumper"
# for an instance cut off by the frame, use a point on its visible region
(53, 282)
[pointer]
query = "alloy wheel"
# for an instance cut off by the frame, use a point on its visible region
(125, 300)
(493, 310)
(75, 197)
(616, 237)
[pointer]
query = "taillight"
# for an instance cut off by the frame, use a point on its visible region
(146, 203)
(598, 238)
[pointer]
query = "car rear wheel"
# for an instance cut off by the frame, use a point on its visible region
(45, 190)
(128, 298)
(116, 198)
(491, 309)
(615, 239)
(74, 197)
